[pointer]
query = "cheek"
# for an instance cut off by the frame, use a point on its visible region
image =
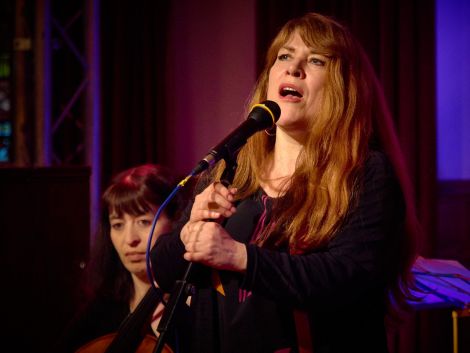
(116, 243)
(315, 105)
(318, 97)
(113, 238)
(317, 90)
(272, 83)
(163, 226)
(270, 93)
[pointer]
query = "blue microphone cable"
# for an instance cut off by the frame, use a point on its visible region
(150, 273)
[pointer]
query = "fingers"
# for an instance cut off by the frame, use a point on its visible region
(198, 239)
(202, 241)
(208, 243)
(219, 196)
(214, 202)
(227, 192)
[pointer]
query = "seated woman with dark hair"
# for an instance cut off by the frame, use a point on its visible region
(117, 275)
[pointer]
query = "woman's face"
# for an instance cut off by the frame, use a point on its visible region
(129, 235)
(296, 82)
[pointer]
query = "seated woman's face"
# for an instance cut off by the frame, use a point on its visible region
(129, 235)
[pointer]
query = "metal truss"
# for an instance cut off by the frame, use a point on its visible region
(68, 99)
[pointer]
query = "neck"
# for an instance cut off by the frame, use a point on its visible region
(141, 287)
(286, 152)
(283, 163)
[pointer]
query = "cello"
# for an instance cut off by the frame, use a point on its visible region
(130, 336)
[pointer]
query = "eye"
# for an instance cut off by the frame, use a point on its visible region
(116, 225)
(316, 61)
(283, 57)
(145, 222)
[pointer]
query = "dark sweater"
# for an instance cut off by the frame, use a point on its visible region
(104, 316)
(341, 287)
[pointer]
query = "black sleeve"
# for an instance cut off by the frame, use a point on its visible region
(167, 255)
(354, 260)
(100, 317)
(167, 260)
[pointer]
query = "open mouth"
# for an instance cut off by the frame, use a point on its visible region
(289, 91)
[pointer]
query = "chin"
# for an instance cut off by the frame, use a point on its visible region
(136, 269)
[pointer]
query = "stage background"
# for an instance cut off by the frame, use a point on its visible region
(174, 79)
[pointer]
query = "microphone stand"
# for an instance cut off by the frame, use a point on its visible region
(183, 288)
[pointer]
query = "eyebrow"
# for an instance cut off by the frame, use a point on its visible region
(292, 49)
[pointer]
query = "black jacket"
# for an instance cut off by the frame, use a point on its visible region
(342, 287)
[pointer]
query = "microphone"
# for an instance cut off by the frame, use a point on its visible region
(262, 116)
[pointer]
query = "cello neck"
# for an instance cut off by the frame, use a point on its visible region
(134, 327)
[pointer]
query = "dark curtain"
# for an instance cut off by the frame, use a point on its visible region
(133, 61)
(400, 41)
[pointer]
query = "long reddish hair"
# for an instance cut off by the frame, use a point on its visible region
(353, 116)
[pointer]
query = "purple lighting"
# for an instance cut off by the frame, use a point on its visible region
(453, 89)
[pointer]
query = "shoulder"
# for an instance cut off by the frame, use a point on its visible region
(379, 179)
(99, 317)
(102, 312)
(378, 162)
(378, 169)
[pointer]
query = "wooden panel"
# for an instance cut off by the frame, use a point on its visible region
(453, 238)
(44, 235)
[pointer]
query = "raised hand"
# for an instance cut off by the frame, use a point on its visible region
(206, 241)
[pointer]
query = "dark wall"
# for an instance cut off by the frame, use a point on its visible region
(44, 237)
(453, 239)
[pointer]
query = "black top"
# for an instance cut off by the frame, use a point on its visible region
(99, 318)
(341, 286)
(103, 316)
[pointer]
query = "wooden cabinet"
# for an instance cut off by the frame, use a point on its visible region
(44, 244)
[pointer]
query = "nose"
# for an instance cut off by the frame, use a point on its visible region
(296, 70)
(131, 235)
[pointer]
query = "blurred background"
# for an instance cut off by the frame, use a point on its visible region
(89, 88)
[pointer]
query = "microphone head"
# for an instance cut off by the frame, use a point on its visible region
(262, 116)
(266, 114)
(274, 108)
